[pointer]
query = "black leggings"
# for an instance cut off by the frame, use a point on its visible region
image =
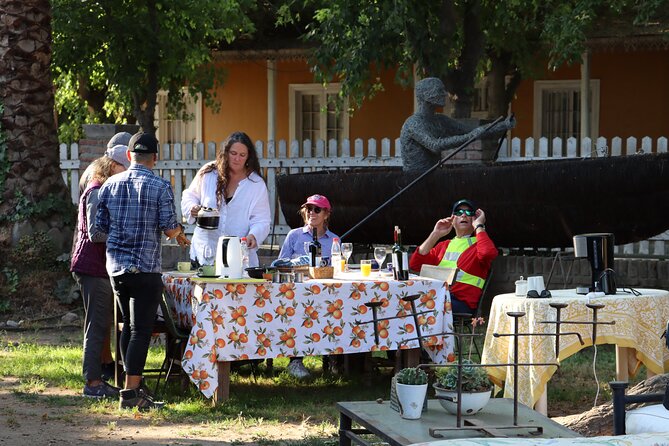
(138, 297)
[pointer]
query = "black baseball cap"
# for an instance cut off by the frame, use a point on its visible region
(465, 202)
(143, 143)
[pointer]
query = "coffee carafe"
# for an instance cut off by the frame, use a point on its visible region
(229, 257)
(598, 249)
(207, 218)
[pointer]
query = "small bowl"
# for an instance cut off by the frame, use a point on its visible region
(256, 272)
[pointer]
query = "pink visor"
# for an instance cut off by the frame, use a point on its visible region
(318, 200)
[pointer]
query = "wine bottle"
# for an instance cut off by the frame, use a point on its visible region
(400, 257)
(315, 249)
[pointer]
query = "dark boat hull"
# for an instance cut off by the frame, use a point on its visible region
(527, 204)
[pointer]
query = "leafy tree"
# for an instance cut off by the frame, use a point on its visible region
(568, 24)
(128, 50)
(358, 39)
(455, 40)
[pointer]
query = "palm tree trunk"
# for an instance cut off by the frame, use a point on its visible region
(29, 168)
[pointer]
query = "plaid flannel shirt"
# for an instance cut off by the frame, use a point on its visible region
(135, 207)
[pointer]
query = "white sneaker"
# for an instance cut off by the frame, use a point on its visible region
(298, 370)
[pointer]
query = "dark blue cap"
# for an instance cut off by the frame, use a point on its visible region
(466, 202)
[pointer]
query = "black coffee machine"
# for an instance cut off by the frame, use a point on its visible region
(598, 248)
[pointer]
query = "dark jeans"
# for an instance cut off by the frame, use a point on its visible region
(458, 306)
(96, 293)
(138, 296)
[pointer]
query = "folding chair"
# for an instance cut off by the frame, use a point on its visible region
(175, 343)
(462, 320)
(161, 326)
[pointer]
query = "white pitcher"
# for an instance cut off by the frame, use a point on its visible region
(229, 257)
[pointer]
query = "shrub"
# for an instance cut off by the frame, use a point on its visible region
(35, 252)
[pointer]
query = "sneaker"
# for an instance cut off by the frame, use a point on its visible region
(108, 371)
(298, 370)
(102, 390)
(138, 398)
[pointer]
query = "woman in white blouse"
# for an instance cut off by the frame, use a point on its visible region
(233, 185)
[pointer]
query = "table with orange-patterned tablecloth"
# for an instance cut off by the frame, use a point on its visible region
(256, 319)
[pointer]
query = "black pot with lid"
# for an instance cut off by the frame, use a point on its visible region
(207, 218)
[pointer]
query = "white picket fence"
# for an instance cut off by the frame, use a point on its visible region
(179, 163)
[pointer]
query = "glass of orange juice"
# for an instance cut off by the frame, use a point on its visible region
(366, 267)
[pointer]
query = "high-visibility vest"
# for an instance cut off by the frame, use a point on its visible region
(450, 260)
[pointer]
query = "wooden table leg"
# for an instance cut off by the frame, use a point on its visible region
(411, 357)
(622, 358)
(345, 424)
(541, 405)
(223, 391)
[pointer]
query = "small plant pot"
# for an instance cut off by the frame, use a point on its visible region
(411, 399)
(472, 402)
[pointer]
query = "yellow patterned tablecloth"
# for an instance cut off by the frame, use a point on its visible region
(239, 321)
(639, 322)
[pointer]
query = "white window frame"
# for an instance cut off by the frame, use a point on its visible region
(295, 91)
(191, 128)
(540, 86)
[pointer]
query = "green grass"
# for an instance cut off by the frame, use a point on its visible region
(270, 399)
(574, 384)
(255, 401)
(38, 366)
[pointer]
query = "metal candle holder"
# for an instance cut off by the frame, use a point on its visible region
(473, 424)
(558, 323)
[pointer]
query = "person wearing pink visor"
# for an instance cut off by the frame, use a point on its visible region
(316, 213)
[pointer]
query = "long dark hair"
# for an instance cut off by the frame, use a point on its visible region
(222, 162)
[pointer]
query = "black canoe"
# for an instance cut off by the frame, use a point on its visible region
(527, 204)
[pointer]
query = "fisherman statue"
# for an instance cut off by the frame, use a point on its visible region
(426, 133)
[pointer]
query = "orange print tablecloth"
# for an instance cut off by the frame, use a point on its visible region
(259, 320)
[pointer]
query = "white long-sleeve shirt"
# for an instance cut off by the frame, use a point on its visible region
(247, 213)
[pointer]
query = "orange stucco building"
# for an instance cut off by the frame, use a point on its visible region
(244, 102)
(629, 89)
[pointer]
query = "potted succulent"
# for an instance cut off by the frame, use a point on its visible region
(411, 387)
(475, 387)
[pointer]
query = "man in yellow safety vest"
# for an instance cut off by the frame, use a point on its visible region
(471, 251)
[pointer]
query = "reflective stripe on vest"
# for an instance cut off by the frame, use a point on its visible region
(450, 260)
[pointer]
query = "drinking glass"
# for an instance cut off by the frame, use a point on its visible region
(380, 256)
(366, 267)
(306, 248)
(208, 255)
(347, 250)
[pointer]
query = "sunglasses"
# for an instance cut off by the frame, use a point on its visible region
(314, 209)
(461, 212)
(533, 294)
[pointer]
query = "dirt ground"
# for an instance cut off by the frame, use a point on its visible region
(38, 420)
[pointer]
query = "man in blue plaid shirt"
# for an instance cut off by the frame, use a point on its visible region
(135, 208)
